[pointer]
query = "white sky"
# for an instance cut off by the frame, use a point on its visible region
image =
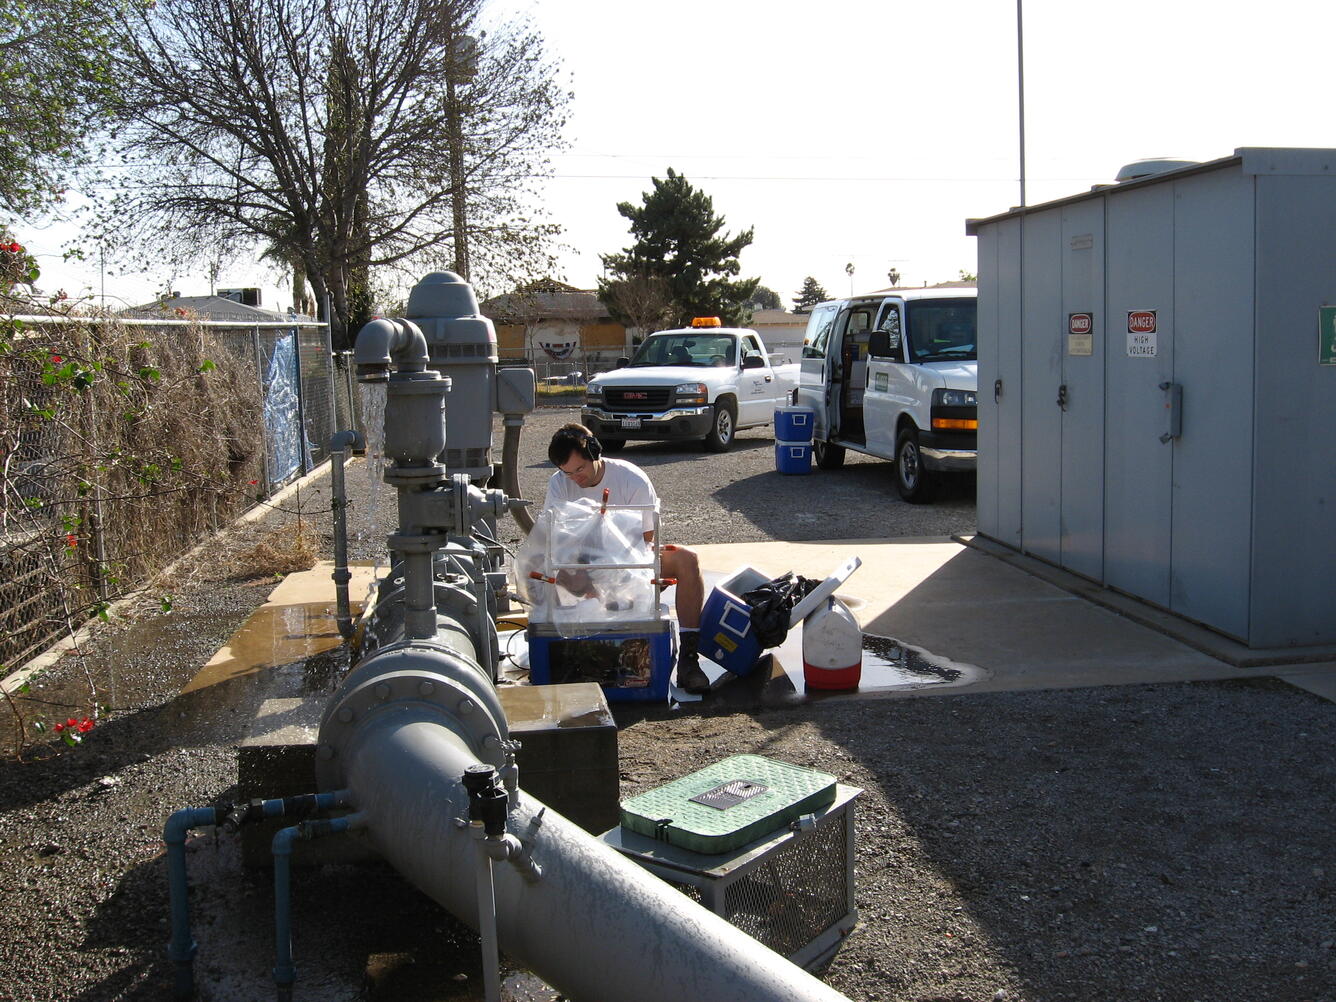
(861, 132)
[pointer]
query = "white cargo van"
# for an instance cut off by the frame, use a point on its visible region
(894, 374)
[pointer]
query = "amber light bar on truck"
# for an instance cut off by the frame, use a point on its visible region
(955, 424)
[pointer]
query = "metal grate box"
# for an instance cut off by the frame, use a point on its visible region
(724, 806)
(791, 889)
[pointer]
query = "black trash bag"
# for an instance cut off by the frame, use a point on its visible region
(771, 605)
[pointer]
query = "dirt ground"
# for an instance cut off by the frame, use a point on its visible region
(1108, 844)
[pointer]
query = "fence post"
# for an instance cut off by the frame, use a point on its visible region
(301, 400)
(264, 399)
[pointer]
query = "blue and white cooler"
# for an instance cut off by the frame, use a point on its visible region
(793, 439)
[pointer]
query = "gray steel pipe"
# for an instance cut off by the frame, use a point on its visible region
(594, 926)
(338, 446)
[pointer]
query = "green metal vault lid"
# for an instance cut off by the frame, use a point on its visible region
(728, 804)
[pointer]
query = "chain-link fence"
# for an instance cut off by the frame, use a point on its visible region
(124, 443)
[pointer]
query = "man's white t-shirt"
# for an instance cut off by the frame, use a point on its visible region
(625, 482)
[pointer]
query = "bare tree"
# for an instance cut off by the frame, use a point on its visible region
(321, 130)
(644, 301)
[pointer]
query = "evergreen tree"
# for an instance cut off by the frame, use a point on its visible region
(809, 295)
(680, 240)
(765, 299)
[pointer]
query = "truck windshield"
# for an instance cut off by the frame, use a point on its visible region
(686, 349)
(942, 330)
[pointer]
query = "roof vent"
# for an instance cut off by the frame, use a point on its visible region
(1138, 169)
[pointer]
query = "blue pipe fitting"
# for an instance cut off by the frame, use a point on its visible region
(181, 947)
(285, 971)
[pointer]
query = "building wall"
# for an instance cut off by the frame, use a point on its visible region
(559, 340)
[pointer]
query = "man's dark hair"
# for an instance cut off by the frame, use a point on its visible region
(573, 438)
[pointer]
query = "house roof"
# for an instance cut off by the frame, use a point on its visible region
(547, 300)
(778, 318)
(208, 308)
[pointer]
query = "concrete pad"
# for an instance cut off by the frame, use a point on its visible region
(298, 621)
(963, 606)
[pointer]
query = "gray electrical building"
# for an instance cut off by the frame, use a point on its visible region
(1157, 389)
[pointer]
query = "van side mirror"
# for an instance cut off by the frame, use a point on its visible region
(622, 362)
(753, 362)
(884, 344)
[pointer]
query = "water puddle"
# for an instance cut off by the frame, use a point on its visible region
(889, 666)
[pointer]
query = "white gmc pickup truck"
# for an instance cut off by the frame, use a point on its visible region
(703, 382)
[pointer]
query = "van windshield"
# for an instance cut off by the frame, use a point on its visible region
(686, 349)
(942, 330)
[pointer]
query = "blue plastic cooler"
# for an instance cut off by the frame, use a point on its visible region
(793, 457)
(726, 634)
(794, 424)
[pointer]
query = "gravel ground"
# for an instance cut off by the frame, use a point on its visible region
(1141, 842)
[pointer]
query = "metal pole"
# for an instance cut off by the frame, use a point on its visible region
(264, 396)
(1020, 86)
(301, 400)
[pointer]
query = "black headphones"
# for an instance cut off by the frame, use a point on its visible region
(593, 446)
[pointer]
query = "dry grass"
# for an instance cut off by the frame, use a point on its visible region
(281, 551)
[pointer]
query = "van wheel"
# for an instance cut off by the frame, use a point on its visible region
(828, 457)
(912, 479)
(720, 437)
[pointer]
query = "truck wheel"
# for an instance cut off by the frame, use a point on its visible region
(720, 436)
(912, 479)
(612, 444)
(828, 457)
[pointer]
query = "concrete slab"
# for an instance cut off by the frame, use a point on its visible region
(961, 605)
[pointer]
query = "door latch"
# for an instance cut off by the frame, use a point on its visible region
(1174, 405)
(1062, 396)
(997, 390)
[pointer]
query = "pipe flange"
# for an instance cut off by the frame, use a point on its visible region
(412, 679)
(411, 476)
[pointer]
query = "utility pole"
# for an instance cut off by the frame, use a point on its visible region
(1020, 86)
(463, 67)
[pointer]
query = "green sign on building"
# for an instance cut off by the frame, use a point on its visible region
(1326, 335)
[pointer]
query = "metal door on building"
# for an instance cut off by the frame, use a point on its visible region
(1212, 500)
(1139, 361)
(1079, 396)
(999, 346)
(1041, 372)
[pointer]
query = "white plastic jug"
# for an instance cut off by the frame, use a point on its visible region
(832, 647)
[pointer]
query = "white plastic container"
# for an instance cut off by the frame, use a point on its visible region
(832, 647)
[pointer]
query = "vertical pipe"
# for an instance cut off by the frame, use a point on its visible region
(491, 957)
(285, 971)
(419, 596)
(181, 947)
(338, 446)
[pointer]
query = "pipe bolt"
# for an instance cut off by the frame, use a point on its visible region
(383, 691)
(466, 706)
(426, 688)
(346, 714)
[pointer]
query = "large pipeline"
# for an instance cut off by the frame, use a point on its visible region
(593, 925)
